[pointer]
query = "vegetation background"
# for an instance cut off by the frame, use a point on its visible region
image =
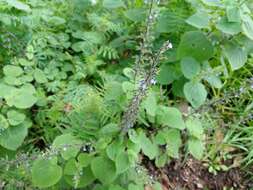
(126, 94)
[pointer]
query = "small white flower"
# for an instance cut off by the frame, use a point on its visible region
(153, 81)
(93, 2)
(170, 46)
(64, 148)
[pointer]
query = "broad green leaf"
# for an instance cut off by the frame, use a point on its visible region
(12, 70)
(174, 142)
(84, 159)
(199, 20)
(195, 44)
(112, 4)
(100, 165)
(22, 99)
(161, 160)
(216, 3)
(178, 87)
(247, 26)
(149, 148)
(39, 76)
(136, 15)
(109, 129)
(6, 90)
(122, 162)
(132, 186)
(25, 62)
(233, 14)
(45, 173)
(55, 20)
(13, 137)
(3, 123)
(236, 56)
(194, 127)
(71, 169)
(113, 149)
(196, 148)
(68, 144)
(168, 73)
(15, 117)
(213, 80)
(12, 80)
(150, 104)
(231, 28)
(195, 93)
(190, 67)
(19, 5)
(115, 187)
(170, 116)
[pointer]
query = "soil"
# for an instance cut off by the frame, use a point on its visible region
(192, 175)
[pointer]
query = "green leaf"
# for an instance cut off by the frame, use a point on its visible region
(71, 169)
(161, 160)
(247, 26)
(22, 99)
(233, 14)
(25, 62)
(168, 73)
(149, 148)
(69, 145)
(122, 162)
(190, 67)
(39, 76)
(84, 159)
(195, 44)
(100, 165)
(3, 123)
(237, 56)
(45, 173)
(15, 117)
(150, 104)
(196, 148)
(115, 187)
(170, 116)
(112, 4)
(194, 127)
(173, 139)
(136, 15)
(199, 20)
(231, 28)
(19, 5)
(13, 137)
(12, 80)
(12, 70)
(113, 149)
(195, 93)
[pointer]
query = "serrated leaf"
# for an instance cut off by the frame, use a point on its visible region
(195, 93)
(199, 20)
(150, 104)
(174, 142)
(170, 116)
(195, 44)
(100, 165)
(194, 127)
(237, 56)
(190, 67)
(196, 148)
(45, 173)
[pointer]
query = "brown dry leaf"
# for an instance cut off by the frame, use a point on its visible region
(148, 187)
(219, 136)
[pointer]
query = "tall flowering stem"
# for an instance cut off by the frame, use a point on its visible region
(149, 61)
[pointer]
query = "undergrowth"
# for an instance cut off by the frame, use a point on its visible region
(89, 89)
